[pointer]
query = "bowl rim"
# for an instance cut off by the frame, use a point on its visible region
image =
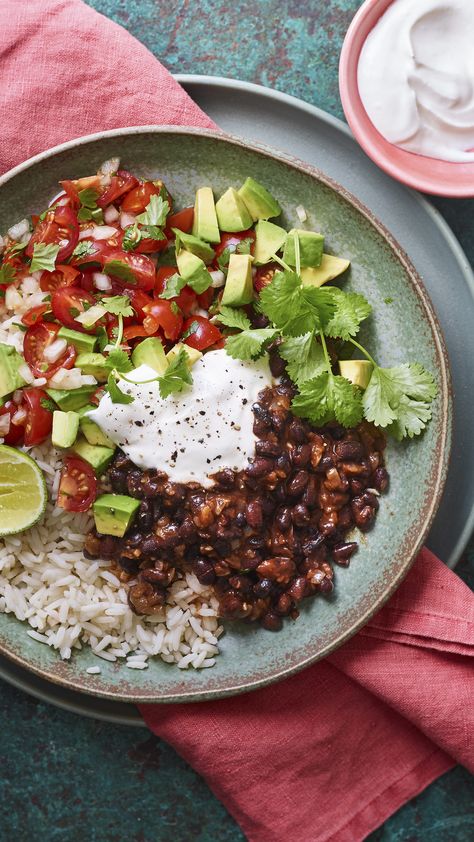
(438, 468)
(369, 137)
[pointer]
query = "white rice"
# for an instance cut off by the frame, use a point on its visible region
(69, 601)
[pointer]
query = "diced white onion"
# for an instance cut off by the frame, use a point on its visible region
(89, 317)
(30, 284)
(218, 278)
(25, 373)
(53, 352)
(72, 378)
(201, 312)
(13, 298)
(301, 213)
(4, 424)
(39, 381)
(101, 281)
(2, 243)
(127, 219)
(85, 233)
(17, 231)
(109, 167)
(19, 416)
(17, 396)
(102, 232)
(111, 214)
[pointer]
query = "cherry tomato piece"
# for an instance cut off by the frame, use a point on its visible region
(186, 300)
(131, 269)
(63, 276)
(137, 200)
(204, 333)
(77, 485)
(38, 337)
(60, 226)
(119, 185)
(39, 419)
(134, 332)
(231, 241)
(148, 246)
(264, 276)
(69, 302)
(15, 433)
(74, 187)
(35, 315)
(206, 298)
(167, 315)
(183, 220)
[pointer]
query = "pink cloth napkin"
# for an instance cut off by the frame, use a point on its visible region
(329, 753)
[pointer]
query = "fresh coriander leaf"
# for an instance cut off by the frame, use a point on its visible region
(351, 309)
(48, 404)
(84, 214)
(244, 246)
(249, 344)
(329, 397)
(88, 197)
(304, 357)
(118, 305)
(295, 309)
(399, 398)
(44, 257)
(7, 274)
(200, 280)
(156, 212)
(152, 231)
(193, 327)
(120, 360)
(45, 212)
(116, 394)
(83, 249)
(173, 286)
(231, 317)
(177, 375)
(119, 269)
(131, 237)
(15, 248)
(223, 259)
(102, 338)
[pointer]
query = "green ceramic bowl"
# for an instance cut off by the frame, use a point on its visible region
(403, 327)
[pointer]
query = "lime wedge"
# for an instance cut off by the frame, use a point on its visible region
(23, 492)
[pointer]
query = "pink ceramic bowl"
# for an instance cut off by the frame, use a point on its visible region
(443, 178)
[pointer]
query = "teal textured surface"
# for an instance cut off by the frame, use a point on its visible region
(68, 778)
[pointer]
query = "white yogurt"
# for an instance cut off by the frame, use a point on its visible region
(207, 426)
(416, 77)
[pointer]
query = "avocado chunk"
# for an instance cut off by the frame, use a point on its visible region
(205, 218)
(150, 352)
(83, 343)
(193, 354)
(311, 248)
(114, 513)
(92, 432)
(194, 271)
(238, 288)
(65, 427)
(269, 238)
(232, 213)
(68, 399)
(97, 456)
(329, 269)
(258, 201)
(358, 372)
(10, 362)
(194, 245)
(95, 364)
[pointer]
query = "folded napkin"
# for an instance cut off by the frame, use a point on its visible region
(330, 753)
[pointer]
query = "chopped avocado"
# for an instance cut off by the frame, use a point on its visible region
(193, 354)
(232, 212)
(311, 248)
(71, 398)
(269, 238)
(238, 288)
(92, 432)
(114, 513)
(194, 245)
(205, 219)
(95, 364)
(258, 201)
(65, 427)
(358, 372)
(150, 352)
(193, 270)
(330, 268)
(83, 343)
(10, 362)
(98, 456)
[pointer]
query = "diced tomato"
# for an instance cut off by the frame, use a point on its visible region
(138, 300)
(97, 396)
(134, 332)
(204, 333)
(74, 187)
(86, 281)
(38, 337)
(162, 275)
(167, 315)
(39, 419)
(264, 276)
(63, 276)
(69, 302)
(148, 246)
(183, 220)
(36, 314)
(15, 433)
(131, 269)
(119, 185)
(206, 298)
(186, 300)
(60, 226)
(137, 200)
(231, 241)
(77, 485)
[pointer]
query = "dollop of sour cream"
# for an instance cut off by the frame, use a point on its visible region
(416, 77)
(189, 435)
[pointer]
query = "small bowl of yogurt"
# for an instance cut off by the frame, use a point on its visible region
(406, 78)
